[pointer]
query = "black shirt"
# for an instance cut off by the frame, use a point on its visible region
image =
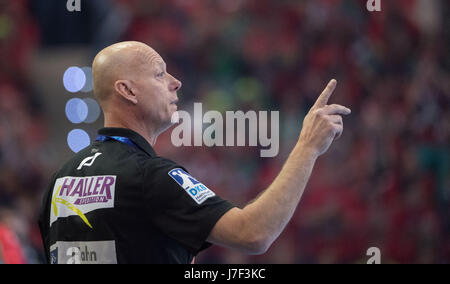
(116, 201)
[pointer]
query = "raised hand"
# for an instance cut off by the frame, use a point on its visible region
(323, 123)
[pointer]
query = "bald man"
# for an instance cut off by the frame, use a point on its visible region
(134, 89)
(116, 201)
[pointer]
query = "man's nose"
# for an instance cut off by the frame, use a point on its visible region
(175, 84)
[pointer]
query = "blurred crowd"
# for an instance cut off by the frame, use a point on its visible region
(385, 183)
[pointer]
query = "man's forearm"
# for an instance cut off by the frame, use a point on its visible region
(268, 215)
(255, 227)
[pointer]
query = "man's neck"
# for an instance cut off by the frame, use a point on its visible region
(146, 132)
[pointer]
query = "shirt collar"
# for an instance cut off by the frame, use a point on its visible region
(134, 136)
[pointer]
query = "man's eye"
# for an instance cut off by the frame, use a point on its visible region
(160, 74)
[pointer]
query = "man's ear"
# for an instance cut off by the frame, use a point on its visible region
(124, 88)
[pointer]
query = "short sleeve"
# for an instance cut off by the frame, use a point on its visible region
(179, 205)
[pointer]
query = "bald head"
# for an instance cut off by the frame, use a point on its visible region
(134, 89)
(120, 61)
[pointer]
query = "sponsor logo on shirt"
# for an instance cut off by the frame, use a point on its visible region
(54, 256)
(83, 252)
(80, 195)
(196, 190)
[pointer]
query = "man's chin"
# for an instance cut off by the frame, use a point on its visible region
(174, 119)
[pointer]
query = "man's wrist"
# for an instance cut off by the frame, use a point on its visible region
(306, 150)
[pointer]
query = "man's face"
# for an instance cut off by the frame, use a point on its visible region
(157, 93)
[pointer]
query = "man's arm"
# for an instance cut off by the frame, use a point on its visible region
(255, 227)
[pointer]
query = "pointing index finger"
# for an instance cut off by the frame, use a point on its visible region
(325, 95)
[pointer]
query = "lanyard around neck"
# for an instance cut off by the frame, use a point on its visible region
(125, 140)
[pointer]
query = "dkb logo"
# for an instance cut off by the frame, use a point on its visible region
(196, 190)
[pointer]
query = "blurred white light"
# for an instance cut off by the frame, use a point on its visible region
(74, 79)
(78, 139)
(93, 110)
(88, 75)
(76, 110)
